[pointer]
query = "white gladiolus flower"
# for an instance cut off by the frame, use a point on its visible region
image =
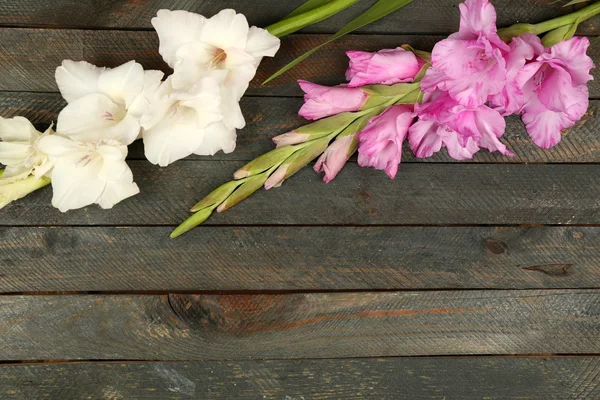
(104, 103)
(88, 173)
(183, 122)
(19, 149)
(223, 45)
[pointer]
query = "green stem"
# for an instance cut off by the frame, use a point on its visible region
(293, 24)
(546, 26)
(577, 16)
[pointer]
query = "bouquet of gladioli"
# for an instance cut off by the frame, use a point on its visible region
(194, 111)
(454, 97)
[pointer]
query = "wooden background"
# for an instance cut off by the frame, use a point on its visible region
(471, 280)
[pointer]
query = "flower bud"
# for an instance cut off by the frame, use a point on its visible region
(323, 101)
(192, 222)
(559, 34)
(335, 156)
(217, 196)
(290, 138)
(385, 67)
(249, 186)
(264, 162)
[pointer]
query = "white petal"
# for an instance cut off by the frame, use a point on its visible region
(194, 62)
(118, 190)
(261, 44)
(75, 182)
(13, 154)
(176, 28)
(205, 98)
(58, 146)
(152, 81)
(114, 164)
(16, 172)
(17, 129)
(77, 79)
(160, 105)
(96, 117)
(217, 137)
(122, 84)
(232, 113)
(173, 138)
(225, 30)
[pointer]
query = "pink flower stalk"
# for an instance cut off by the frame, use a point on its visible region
(443, 121)
(555, 89)
(469, 65)
(290, 138)
(380, 142)
(385, 67)
(334, 158)
(323, 101)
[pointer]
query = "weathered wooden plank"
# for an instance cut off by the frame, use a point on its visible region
(422, 194)
(423, 16)
(467, 378)
(28, 57)
(298, 258)
(270, 116)
(316, 325)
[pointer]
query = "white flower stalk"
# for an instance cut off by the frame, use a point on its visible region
(223, 46)
(183, 122)
(19, 149)
(15, 190)
(104, 103)
(88, 173)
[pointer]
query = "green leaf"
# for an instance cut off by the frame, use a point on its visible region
(573, 2)
(295, 23)
(249, 186)
(307, 6)
(398, 89)
(262, 163)
(377, 11)
(327, 125)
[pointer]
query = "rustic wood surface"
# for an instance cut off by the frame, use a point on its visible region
(536, 378)
(301, 325)
(298, 258)
(422, 194)
(325, 287)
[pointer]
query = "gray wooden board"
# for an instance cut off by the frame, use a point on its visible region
(29, 57)
(422, 194)
(298, 258)
(311, 325)
(422, 16)
(267, 117)
(472, 378)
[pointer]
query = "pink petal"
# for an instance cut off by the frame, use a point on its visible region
(545, 128)
(572, 53)
(324, 101)
(423, 139)
(386, 67)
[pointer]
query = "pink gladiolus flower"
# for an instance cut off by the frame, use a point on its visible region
(469, 64)
(380, 142)
(522, 49)
(443, 121)
(385, 67)
(334, 158)
(555, 89)
(323, 101)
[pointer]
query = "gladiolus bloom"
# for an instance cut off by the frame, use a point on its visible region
(469, 65)
(555, 88)
(380, 142)
(323, 101)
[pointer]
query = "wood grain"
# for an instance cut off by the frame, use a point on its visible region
(535, 378)
(423, 16)
(422, 194)
(317, 325)
(297, 258)
(269, 116)
(28, 57)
